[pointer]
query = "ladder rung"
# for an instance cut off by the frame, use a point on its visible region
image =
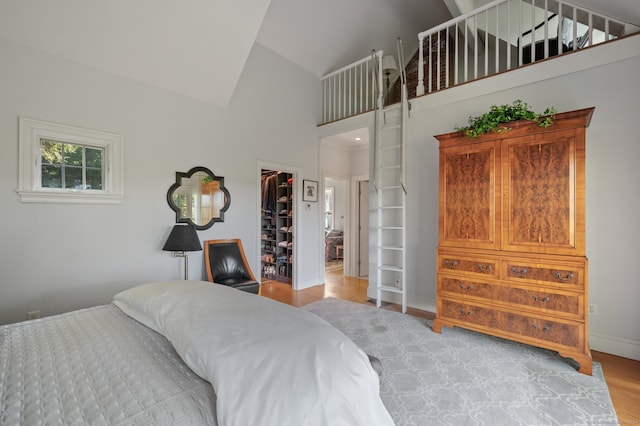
(391, 289)
(390, 187)
(389, 167)
(390, 127)
(390, 268)
(388, 148)
(390, 207)
(390, 247)
(391, 227)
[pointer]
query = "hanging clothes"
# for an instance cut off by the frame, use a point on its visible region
(269, 183)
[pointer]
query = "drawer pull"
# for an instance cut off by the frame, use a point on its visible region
(522, 271)
(544, 329)
(565, 277)
(450, 263)
(486, 267)
(538, 299)
(462, 286)
(462, 312)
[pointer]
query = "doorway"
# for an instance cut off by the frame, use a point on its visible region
(344, 157)
(277, 223)
(335, 210)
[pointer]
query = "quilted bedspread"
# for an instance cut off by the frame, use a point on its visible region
(96, 366)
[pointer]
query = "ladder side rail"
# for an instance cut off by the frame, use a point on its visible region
(376, 59)
(404, 110)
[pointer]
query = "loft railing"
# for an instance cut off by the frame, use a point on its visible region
(353, 89)
(502, 35)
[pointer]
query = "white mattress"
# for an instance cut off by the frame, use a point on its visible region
(96, 366)
(270, 364)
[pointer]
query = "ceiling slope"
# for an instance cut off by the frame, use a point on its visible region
(322, 36)
(197, 48)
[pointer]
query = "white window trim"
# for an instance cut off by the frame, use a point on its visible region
(29, 187)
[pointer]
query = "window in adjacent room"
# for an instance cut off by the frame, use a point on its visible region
(329, 194)
(65, 164)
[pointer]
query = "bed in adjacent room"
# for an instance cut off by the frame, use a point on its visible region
(186, 353)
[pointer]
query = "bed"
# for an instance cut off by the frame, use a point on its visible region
(187, 353)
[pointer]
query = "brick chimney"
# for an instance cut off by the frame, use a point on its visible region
(412, 68)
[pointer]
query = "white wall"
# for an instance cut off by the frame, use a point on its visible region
(359, 162)
(56, 258)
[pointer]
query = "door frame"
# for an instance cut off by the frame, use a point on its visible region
(354, 221)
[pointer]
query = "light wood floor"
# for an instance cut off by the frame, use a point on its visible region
(622, 374)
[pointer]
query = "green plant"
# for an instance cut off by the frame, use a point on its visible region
(492, 121)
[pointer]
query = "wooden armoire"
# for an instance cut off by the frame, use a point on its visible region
(511, 259)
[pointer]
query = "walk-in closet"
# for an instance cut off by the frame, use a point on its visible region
(276, 229)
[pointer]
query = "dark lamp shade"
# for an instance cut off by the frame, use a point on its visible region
(183, 238)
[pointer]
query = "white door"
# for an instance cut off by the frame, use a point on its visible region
(363, 228)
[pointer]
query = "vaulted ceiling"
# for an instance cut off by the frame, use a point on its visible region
(198, 48)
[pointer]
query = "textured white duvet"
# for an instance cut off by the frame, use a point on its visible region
(269, 363)
(96, 367)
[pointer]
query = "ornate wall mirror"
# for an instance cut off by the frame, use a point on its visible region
(199, 197)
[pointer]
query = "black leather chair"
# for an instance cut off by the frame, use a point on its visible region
(227, 265)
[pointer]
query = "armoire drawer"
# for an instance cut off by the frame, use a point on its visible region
(557, 332)
(566, 304)
(571, 276)
(473, 314)
(452, 262)
(462, 286)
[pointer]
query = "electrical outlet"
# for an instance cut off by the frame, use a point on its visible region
(593, 310)
(33, 315)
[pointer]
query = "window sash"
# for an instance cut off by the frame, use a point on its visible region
(64, 166)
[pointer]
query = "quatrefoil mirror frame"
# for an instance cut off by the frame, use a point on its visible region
(200, 193)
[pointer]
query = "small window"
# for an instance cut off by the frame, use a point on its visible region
(65, 164)
(70, 166)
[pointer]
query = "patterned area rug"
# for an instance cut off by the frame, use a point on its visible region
(461, 377)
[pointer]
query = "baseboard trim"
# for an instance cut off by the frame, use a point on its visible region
(614, 345)
(415, 302)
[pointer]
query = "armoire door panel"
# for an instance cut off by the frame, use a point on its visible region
(468, 210)
(540, 194)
